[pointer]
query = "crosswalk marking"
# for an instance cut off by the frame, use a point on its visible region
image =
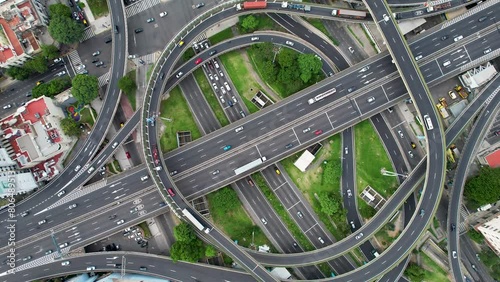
(76, 61)
(140, 6)
(87, 34)
(103, 79)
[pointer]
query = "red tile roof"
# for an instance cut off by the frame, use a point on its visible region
(7, 53)
(493, 159)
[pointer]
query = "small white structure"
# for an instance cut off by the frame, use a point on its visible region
(304, 161)
(281, 273)
(479, 76)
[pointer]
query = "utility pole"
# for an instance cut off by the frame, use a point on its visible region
(52, 235)
(124, 262)
(392, 173)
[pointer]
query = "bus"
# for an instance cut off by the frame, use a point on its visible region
(321, 96)
(249, 166)
(194, 221)
(428, 122)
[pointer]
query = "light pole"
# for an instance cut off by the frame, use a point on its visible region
(55, 243)
(392, 173)
(124, 261)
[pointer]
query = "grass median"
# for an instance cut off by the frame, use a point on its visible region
(99, 8)
(176, 109)
(211, 98)
(221, 36)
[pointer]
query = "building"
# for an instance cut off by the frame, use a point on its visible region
(19, 20)
(491, 232)
(33, 138)
(479, 76)
(12, 180)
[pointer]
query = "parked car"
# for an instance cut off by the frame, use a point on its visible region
(163, 14)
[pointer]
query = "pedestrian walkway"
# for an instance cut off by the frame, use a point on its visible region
(140, 6)
(104, 79)
(76, 62)
(87, 34)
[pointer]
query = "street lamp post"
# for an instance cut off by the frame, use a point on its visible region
(392, 173)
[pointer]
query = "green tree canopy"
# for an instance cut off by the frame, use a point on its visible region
(329, 205)
(52, 88)
(250, 23)
(50, 51)
(65, 29)
(415, 273)
(59, 10)
(483, 188)
(476, 236)
(184, 232)
(85, 88)
(37, 64)
(70, 127)
(309, 65)
(187, 251)
(127, 84)
(18, 73)
(210, 251)
(41, 90)
(287, 58)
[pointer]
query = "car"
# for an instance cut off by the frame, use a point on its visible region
(371, 99)
(349, 193)
(353, 225)
(350, 89)
(39, 82)
(118, 265)
(234, 99)
(346, 150)
(299, 214)
(487, 51)
(24, 214)
(254, 39)
(365, 69)
(180, 43)
(215, 87)
(108, 40)
(386, 17)
(422, 212)
(48, 252)
(295, 245)
(199, 5)
(77, 168)
(238, 129)
(144, 178)
(411, 154)
(212, 52)
(452, 94)
(288, 146)
(227, 147)
(141, 61)
(65, 263)
(62, 192)
(96, 53)
(216, 77)
(289, 43)
(418, 13)
(63, 245)
(216, 64)
(179, 74)
(321, 240)
(221, 73)
(454, 254)
(171, 192)
(138, 30)
(229, 103)
(29, 94)
(145, 244)
(478, 258)
(444, 37)
(318, 132)
(95, 60)
(210, 76)
(72, 206)
(278, 172)
(42, 221)
(90, 268)
(351, 50)
(401, 134)
(198, 61)
(227, 86)
(359, 236)
(458, 38)
(150, 20)
(263, 221)
(413, 145)
(215, 172)
(418, 57)
(453, 227)
(447, 63)
(91, 169)
(163, 14)
(116, 29)
(134, 210)
(98, 64)
(305, 130)
(111, 217)
(61, 73)
(242, 113)
(143, 268)
(250, 182)
(27, 258)
(482, 19)
(222, 99)
(121, 221)
(8, 106)
(128, 155)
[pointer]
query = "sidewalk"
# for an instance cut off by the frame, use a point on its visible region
(98, 25)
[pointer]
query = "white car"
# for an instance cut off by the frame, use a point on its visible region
(359, 236)
(346, 150)
(163, 14)
(42, 222)
(120, 221)
(72, 206)
(211, 77)
(365, 69)
(371, 99)
(386, 18)
(90, 268)
(351, 50)
(321, 240)
(179, 74)
(144, 178)
(7, 106)
(400, 133)
(216, 64)
(64, 263)
(234, 99)
(458, 38)
(216, 77)
(349, 193)
(263, 221)
(289, 43)
(418, 57)
(238, 129)
(222, 99)
(221, 73)
(227, 86)
(305, 130)
(223, 90)
(61, 73)
(254, 38)
(215, 87)
(61, 193)
(57, 60)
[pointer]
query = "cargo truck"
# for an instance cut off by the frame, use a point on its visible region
(461, 91)
(349, 14)
(443, 111)
(438, 7)
(251, 5)
(305, 8)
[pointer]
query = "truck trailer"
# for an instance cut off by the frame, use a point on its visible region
(300, 7)
(251, 5)
(353, 14)
(438, 7)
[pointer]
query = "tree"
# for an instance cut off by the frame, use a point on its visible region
(309, 65)
(287, 58)
(210, 251)
(50, 51)
(366, 211)
(184, 232)
(37, 64)
(70, 127)
(59, 10)
(85, 88)
(328, 204)
(483, 188)
(475, 236)
(250, 23)
(65, 29)
(269, 71)
(415, 272)
(187, 251)
(18, 73)
(41, 90)
(127, 84)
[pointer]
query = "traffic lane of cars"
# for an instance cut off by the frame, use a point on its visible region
(93, 46)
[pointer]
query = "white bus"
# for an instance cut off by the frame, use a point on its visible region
(249, 165)
(428, 122)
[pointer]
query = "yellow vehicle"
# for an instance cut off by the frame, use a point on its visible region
(461, 91)
(180, 43)
(442, 111)
(442, 100)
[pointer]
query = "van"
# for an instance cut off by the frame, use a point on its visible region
(447, 63)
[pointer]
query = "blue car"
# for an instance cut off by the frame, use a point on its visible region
(227, 147)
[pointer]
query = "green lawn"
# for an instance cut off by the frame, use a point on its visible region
(492, 263)
(387, 234)
(240, 76)
(317, 23)
(310, 182)
(176, 108)
(99, 8)
(212, 99)
(371, 157)
(221, 36)
(131, 96)
(264, 23)
(433, 273)
(86, 117)
(228, 214)
(282, 213)
(150, 70)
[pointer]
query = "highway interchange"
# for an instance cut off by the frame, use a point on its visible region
(346, 110)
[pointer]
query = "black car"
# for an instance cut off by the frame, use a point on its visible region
(212, 52)
(444, 37)
(95, 60)
(199, 5)
(453, 227)
(144, 245)
(28, 94)
(99, 64)
(138, 30)
(116, 29)
(108, 40)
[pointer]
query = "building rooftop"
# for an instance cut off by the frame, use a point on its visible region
(493, 159)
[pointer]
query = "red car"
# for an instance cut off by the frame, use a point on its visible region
(127, 154)
(318, 132)
(198, 61)
(171, 192)
(155, 155)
